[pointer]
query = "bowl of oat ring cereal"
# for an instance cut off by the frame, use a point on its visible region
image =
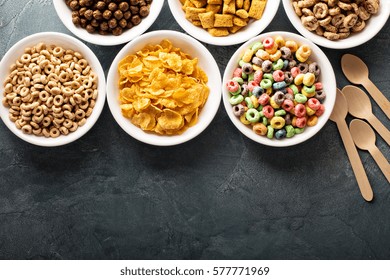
(222, 22)
(108, 22)
(53, 89)
(338, 24)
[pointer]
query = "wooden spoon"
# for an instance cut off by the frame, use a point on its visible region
(356, 72)
(338, 115)
(359, 106)
(364, 138)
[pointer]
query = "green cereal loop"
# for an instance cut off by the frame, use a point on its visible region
(300, 98)
(290, 131)
(251, 77)
(248, 102)
(280, 112)
(238, 80)
(268, 76)
(278, 65)
(309, 89)
(257, 46)
(265, 121)
(266, 83)
(260, 108)
(236, 99)
(260, 112)
(252, 115)
(241, 63)
(270, 132)
(298, 130)
(244, 76)
(294, 89)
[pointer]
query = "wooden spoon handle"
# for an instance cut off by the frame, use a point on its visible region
(381, 161)
(380, 128)
(378, 96)
(356, 163)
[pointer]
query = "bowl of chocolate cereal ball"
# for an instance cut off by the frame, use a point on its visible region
(279, 89)
(53, 89)
(337, 24)
(108, 22)
(223, 23)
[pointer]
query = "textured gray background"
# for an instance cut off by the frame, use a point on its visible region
(108, 196)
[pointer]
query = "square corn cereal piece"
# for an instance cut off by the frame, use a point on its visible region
(240, 21)
(218, 32)
(242, 13)
(186, 4)
(257, 8)
(207, 19)
(227, 1)
(229, 8)
(239, 4)
(193, 13)
(216, 9)
(214, 2)
(247, 5)
(197, 22)
(223, 20)
(234, 28)
(199, 3)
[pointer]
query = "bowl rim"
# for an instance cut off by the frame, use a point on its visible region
(347, 43)
(108, 40)
(17, 49)
(202, 35)
(298, 138)
(154, 139)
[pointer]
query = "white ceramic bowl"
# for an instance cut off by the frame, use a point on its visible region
(246, 33)
(373, 26)
(327, 77)
(206, 62)
(65, 41)
(65, 14)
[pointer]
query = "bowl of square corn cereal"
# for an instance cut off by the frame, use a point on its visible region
(223, 22)
(164, 88)
(53, 89)
(279, 89)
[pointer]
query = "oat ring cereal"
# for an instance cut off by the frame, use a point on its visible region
(50, 91)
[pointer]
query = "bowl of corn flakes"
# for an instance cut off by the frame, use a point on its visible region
(164, 88)
(223, 22)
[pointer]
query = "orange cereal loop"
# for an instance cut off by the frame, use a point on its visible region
(260, 129)
(292, 45)
(312, 120)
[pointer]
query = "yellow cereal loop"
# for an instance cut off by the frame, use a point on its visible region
(292, 45)
(262, 54)
(280, 41)
(277, 122)
(273, 103)
(247, 55)
(299, 79)
(303, 53)
(305, 93)
(244, 120)
(255, 102)
(312, 120)
(276, 56)
(309, 79)
(309, 111)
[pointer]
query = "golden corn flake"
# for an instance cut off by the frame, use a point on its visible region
(162, 89)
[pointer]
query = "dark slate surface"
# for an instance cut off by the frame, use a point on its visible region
(219, 196)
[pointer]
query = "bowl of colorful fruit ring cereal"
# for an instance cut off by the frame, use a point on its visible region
(164, 88)
(338, 24)
(279, 89)
(108, 22)
(53, 89)
(223, 22)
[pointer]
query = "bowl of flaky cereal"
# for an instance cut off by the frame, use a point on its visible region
(53, 89)
(337, 24)
(221, 22)
(164, 88)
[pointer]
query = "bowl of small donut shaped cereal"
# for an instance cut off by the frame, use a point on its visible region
(223, 22)
(338, 24)
(108, 22)
(53, 89)
(279, 89)
(164, 88)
